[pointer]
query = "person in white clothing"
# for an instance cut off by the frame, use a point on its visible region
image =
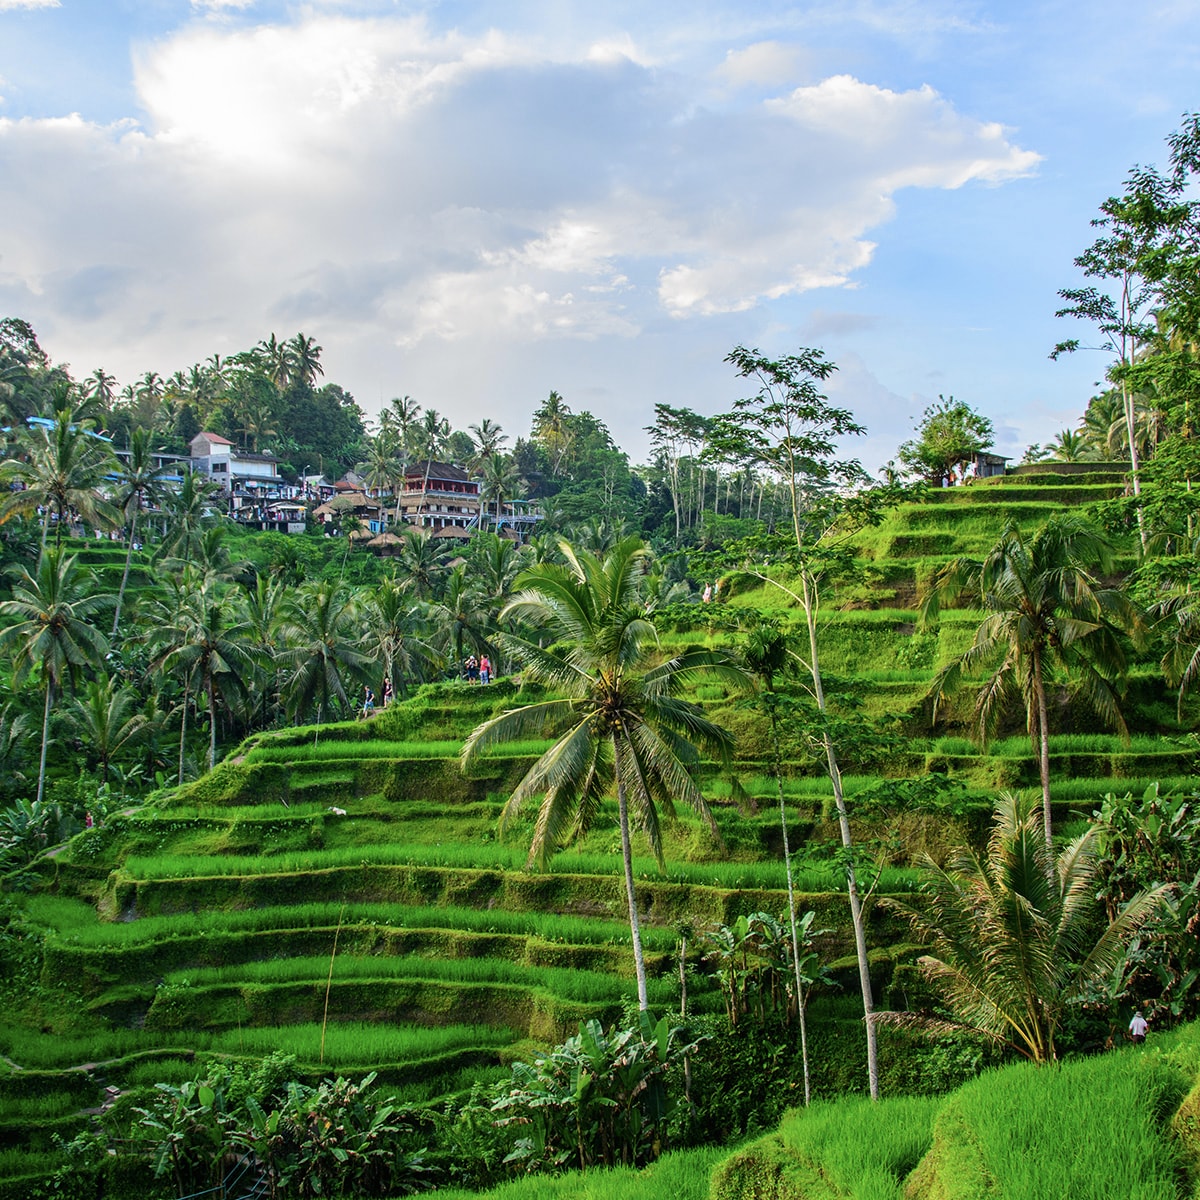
(1138, 1027)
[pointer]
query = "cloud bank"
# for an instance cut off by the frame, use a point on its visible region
(414, 197)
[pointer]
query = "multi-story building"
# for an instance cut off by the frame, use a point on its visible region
(439, 496)
(256, 492)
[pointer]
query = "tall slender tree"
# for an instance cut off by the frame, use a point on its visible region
(52, 630)
(790, 428)
(620, 724)
(1046, 607)
(140, 481)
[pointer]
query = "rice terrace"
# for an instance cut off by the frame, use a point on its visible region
(387, 810)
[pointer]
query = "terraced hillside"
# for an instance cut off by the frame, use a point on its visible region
(344, 895)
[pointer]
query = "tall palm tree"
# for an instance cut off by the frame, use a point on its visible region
(204, 641)
(277, 361)
(431, 435)
(489, 439)
(139, 482)
(463, 616)
(306, 360)
(106, 722)
(1012, 936)
(60, 470)
(398, 634)
(620, 723)
(188, 511)
(1045, 608)
(501, 480)
(421, 564)
(405, 413)
(321, 656)
(51, 612)
(266, 598)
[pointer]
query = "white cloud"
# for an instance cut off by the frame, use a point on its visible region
(764, 64)
(14, 5)
(220, 5)
(396, 191)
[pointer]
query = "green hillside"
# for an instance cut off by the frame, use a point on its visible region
(343, 894)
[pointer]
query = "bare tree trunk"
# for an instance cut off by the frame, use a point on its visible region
(787, 862)
(41, 788)
(1039, 691)
(125, 573)
(809, 599)
(183, 731)
(212, 723)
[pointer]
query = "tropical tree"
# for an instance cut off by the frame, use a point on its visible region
(321, 655)
(463, 616)
(421, 564)
(398, 634)
(501, 480)
(305, 360)
(620, 724)
(1012, 936)
(949, 435)
(60, 468)
(203, 639)
(1046, 607)
(139, 482)
(790, 428)
(765, 656)
(188, 511)
(106, 722)
(51, 611)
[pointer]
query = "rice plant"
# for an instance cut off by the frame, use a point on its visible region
(359, 1043)
(590, 987)
(75, 923)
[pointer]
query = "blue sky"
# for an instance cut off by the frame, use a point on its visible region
(473, 203)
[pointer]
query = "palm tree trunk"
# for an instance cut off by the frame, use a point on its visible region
(183, 731)
(212, 723)
(639, 961)
(45, 738)
(1039, 691)
(809, 598)
(125, 573)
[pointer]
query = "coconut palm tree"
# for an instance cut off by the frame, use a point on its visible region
(463, 616)
(52, 631)
(1012, 936)
(501, 480)
(60, 469)
(421, 564)
(106, 721)
(188, 512)
(203, 639)
(1045, 609)
(305, 360)
(398, 634)
(139, 481)
(321, 657)
(620, 724)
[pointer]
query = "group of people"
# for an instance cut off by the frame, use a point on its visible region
(477, 670)
(369, 697)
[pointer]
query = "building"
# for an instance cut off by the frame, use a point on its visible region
(439, 496)
(256, 493)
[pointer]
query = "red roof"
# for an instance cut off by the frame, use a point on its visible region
(214, 439)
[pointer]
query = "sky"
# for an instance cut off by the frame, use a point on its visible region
(474, 202)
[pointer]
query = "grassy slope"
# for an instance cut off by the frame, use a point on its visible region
(1106, 1128)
